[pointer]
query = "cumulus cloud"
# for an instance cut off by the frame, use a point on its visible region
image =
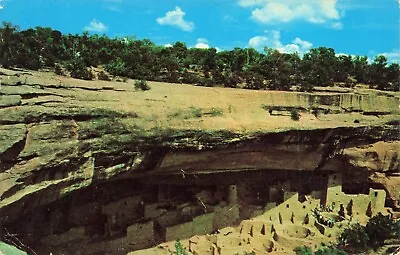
(258, 41)
(95, 26)
(284, 11)
(176, 18)
(1, 6)
(168, 45)
(392, 57)
(271, 39)
(303, 44)
(202, 43)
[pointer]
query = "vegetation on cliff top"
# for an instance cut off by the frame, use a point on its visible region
(142, 59)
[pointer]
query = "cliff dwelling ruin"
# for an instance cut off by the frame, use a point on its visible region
(99, 177)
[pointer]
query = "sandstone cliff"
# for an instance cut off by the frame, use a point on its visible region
(62, 138)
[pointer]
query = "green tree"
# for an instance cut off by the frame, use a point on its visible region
(380, 228)
(8, 39)
(379, 72)
(318, 66)
(344, 68)
(354, 236)
(393, 76)
(361, 69)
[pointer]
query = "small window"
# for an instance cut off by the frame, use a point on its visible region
(304, 207)
(287, 205)
(376, 193)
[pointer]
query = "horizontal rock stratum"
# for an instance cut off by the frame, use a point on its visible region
(60, 136)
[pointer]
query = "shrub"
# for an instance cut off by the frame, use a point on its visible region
(315, 112)
(195, 112)
(380, 228)
(79, 70)
(103, 76)
(294, 115)
(141, 85)
(116, 67)
(58, 69)
(206, 82)
(246, 253)
(216, 112)
(190, 78)
(331, 250)
(355, 236)
(179, 249)
(303, 250)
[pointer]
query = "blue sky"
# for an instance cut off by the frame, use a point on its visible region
(359, 27)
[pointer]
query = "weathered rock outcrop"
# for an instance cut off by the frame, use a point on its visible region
(65, 143)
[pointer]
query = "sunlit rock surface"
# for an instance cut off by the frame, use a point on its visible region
(70, 148)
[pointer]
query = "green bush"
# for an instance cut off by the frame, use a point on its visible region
(179, 249)
(315, 112)
(303, 250)
(79, 70)
(103, 76)
(216, 112)
(196, 112)
(325, 250)
(142, 85)
(190, 78)
(294, 115)
(330, 250)
(354, 236)
(116, 67)
(380, 228)
(58, 69)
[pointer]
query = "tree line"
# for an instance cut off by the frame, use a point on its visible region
(40, 47)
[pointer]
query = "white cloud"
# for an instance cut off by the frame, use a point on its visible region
(392, 57)
(202, 46)
(168, 45)
(95, 26)
(303, 44)
(257, 42)
(176, 18)
(202, 40)
(229, 18)
(246, 3)
(1, 6)
(272, 40)
(202, 43)
(277, 11)
(344, 54)
(113, 5)
(337, 25)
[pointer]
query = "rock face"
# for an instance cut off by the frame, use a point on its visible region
(102, 166)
